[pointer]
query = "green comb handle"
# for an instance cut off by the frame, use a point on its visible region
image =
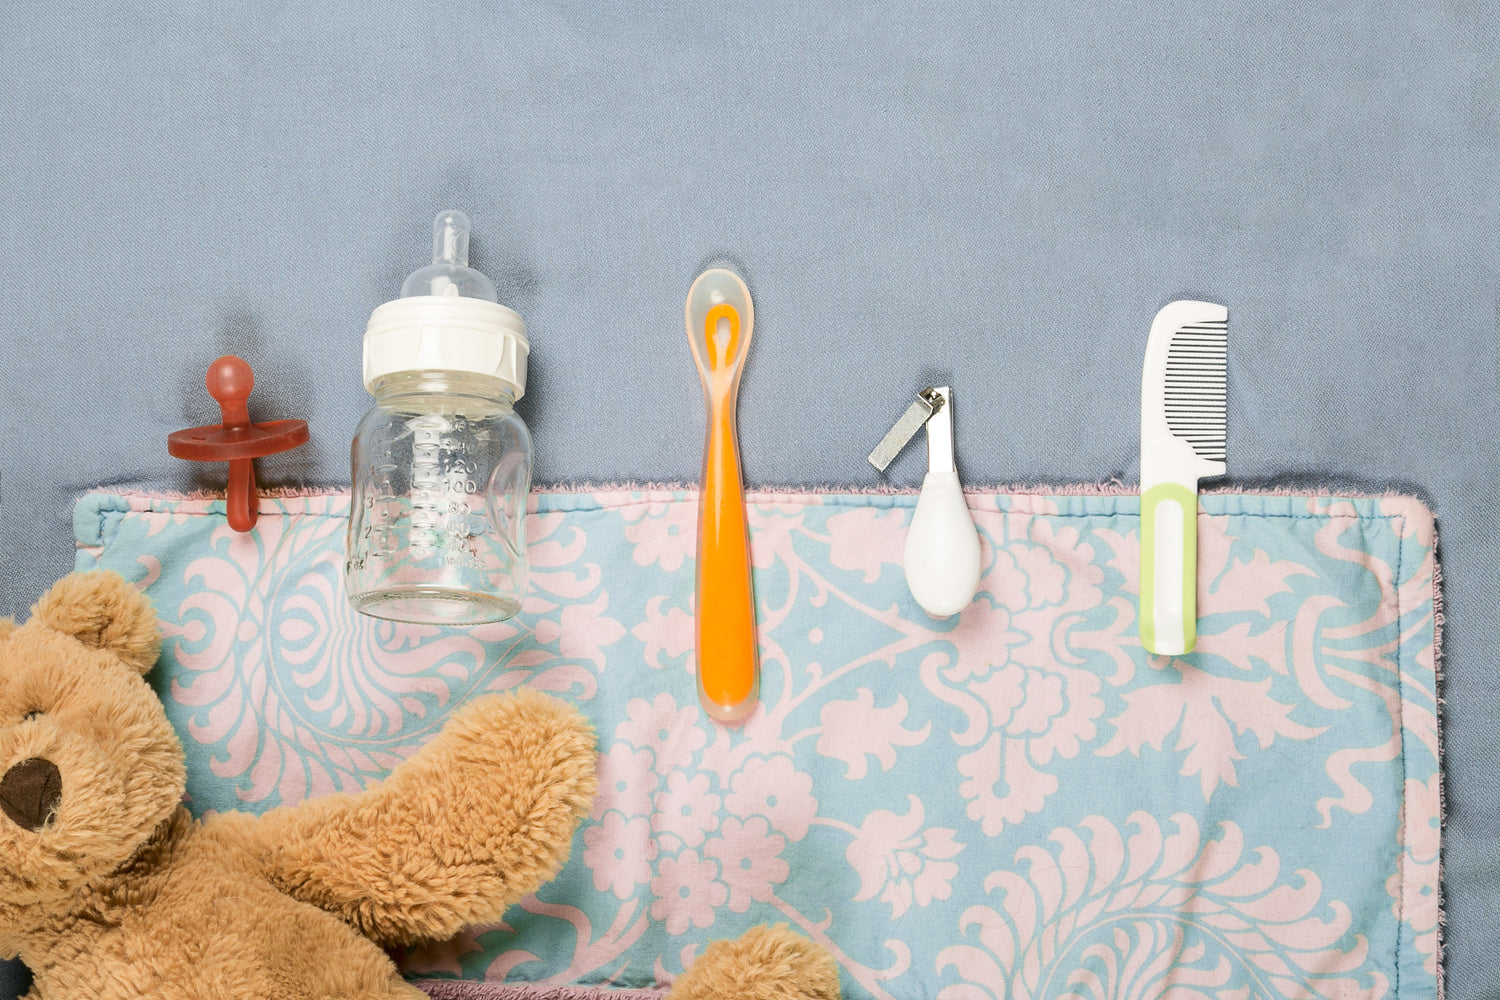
(1169, 569)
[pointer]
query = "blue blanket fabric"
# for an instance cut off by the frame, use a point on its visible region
(992, 196)
(1015, 802)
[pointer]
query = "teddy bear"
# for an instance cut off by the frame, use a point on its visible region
(110, 889)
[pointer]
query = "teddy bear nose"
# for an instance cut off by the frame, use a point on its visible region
(30, 792)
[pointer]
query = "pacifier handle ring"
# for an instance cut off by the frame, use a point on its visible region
(242, 496)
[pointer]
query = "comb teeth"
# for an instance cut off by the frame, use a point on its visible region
(1196, 386)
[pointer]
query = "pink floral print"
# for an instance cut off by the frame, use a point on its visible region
(925, 798)
(626, 781)
(686, 809)
(619, 852)
(900, 862)
(774, 788)
(750, 862)
(662, 533)
(686, 891)
(661, 727)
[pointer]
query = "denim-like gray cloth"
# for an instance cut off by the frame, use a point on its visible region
(992, 196)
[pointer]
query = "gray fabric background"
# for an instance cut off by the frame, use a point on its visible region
(997, 196)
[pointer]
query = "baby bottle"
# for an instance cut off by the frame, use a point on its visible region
(442, 464)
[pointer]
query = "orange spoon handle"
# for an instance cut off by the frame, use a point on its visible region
(728, 671)
(720, 319)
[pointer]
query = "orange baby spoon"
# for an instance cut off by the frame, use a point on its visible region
(719, 320)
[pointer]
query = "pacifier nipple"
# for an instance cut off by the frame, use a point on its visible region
(449, 274)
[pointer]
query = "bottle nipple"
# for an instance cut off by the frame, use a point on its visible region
(449, 274)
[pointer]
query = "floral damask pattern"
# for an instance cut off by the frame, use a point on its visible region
(1145, 912)
(1015, 802)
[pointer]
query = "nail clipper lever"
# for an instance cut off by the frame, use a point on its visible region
(928, 402)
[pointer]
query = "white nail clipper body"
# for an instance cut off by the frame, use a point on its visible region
(942, 557)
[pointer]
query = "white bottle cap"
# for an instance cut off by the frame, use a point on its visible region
(447, 319)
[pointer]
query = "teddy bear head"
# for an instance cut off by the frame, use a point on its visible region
(89, 764)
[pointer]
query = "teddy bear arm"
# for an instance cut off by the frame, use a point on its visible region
(764, 963)
(476, 820)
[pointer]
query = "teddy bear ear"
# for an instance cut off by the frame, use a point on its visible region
(102, 611)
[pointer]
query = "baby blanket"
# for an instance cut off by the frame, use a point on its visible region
(1015, 802)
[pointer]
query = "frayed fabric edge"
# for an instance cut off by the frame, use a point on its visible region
(452, 989)
(1112, 487)
(1437, 672)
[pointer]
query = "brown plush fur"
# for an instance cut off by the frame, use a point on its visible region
(94, 609)
(121, 894)
(764, 963)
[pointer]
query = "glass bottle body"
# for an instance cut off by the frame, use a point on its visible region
(441, 473)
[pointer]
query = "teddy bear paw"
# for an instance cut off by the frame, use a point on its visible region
(764, 963)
